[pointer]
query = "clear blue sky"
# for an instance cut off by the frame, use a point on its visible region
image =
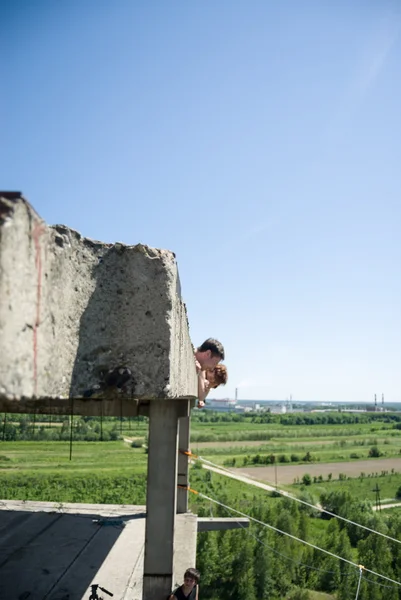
(261, 141)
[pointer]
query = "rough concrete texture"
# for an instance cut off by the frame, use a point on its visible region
(84, 319)
(57, 551)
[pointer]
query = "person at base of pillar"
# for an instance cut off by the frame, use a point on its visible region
(189, 590)
(207, 357)
(214, 378)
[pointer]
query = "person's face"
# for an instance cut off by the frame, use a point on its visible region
(189, 582)
(209, 361)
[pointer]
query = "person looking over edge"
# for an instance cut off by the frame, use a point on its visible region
(217, 376)
(207, 357)
(189, 590)
(209, 354)
(214, 378)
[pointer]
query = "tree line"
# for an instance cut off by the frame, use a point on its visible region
(260, 564)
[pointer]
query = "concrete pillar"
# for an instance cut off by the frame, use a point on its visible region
(161, 499)
(183, 461)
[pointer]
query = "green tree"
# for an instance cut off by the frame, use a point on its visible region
(243, 582)
(223, 570)
(374, 553)
(299, 594)
(207, 560)
(264, 564)
(330, 576)
(284, 572)
(347, 587)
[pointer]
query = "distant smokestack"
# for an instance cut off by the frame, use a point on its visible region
(375, 400)
(383, 399)
(236, 394)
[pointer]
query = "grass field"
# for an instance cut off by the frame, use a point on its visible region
(99, 472)
(114, 472)
(105, 470)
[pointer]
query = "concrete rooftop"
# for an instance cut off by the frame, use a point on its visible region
(51, 551)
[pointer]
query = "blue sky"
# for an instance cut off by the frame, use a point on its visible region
(261, 141)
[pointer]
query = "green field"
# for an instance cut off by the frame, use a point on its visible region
(34, 467)
(230, 440)
(99, 472)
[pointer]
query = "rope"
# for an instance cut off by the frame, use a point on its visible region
(297, 562)
(291, 536)
(359, 581)
(286, 495)
(186, 487)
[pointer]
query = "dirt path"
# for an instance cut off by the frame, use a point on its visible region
(287, 473)
(242, 478)
(273, 443)
(383, 506)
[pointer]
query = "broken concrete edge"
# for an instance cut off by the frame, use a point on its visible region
(7, 205)
(36, 274)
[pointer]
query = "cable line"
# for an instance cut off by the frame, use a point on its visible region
(287, 495)
(289, 535)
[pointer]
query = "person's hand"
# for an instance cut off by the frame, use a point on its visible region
(201, 404)
(198, 366)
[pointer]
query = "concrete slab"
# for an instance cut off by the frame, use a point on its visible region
(221, 523)
(87, 320)
(51, 551)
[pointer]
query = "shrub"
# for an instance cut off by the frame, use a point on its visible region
(307, 479)
(137, 443)
(299, 594)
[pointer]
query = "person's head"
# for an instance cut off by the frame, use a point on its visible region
(217, 376)
(210, 353)
(191, 577)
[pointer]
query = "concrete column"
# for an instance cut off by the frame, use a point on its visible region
(183, 461)
(161, 499)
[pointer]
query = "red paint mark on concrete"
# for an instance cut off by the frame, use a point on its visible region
(38, 230)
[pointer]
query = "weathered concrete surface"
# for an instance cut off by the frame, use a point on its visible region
(57, 551)
(221, 523)
(161, 499)
(84, 319)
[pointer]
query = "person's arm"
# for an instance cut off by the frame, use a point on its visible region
(197, 592)
(203, 388)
